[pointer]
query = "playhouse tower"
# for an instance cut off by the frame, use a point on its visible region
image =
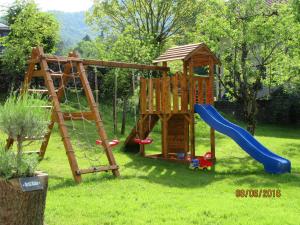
(171, 100)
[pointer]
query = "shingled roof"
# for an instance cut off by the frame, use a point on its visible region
(185, 52)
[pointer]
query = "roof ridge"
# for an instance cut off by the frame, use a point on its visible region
(179, 46)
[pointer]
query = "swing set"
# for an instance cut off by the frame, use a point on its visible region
(74, 127)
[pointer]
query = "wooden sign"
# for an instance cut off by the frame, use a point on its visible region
(31, 184)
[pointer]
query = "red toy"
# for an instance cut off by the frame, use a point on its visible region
(202, 162)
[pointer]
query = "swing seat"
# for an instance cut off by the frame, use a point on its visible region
(112, 143)
(146, 141)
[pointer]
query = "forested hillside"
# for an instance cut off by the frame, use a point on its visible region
(73, 27)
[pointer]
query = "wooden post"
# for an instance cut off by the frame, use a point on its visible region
(192, 122)
(165, 73)
(143, 94)
(142, 133)
(158, 94)
(175, 93)
(211, 101)
(150, 96)
(165, 107)
(183, 86)
(166, 91)
(164, 130)
(200, 91)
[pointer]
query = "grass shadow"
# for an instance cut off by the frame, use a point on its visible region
(241, 171)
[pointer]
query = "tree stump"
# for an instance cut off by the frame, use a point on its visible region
(22, 208)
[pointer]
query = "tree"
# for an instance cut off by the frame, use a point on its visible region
(296, 6)
(30, 28)
(14, 10)
(153, 20)
(88, 49)
(257, 44)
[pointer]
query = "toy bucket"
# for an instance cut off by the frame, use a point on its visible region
(180, 155)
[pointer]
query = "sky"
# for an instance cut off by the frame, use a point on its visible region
(61, 5)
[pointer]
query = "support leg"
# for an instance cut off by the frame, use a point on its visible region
(213, 144)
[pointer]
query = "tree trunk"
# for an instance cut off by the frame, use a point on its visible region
(124, 116)
(250, 111)
(22, 208)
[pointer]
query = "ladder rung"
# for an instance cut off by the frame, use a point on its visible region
(97, 169)
(60, 75)
(31, 152)
(34, 138)
(41, 91)
(79, 116)
(62, 59)
(56, 74)
(46, 106)
(42, 106)
(38, 73)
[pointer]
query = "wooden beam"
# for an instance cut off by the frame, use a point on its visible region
(111, 64)
(37, 73)
(97, 169)
(79, 116)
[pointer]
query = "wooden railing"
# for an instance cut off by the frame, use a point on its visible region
(164, 95)
(173, 94)
(202, 90)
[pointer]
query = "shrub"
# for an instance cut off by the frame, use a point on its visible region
(21, 117)
(10, 168)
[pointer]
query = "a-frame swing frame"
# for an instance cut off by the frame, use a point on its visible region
(39, 58)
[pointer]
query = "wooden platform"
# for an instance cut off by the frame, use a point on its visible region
(170, 157)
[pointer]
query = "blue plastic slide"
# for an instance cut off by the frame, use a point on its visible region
(272, 162)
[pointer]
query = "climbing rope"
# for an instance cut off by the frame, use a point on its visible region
(86, 148)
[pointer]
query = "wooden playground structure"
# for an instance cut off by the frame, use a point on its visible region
(171, 99)
(55, 83)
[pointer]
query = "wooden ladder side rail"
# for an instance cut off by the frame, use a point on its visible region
(59, 116)
(60, 92)
(98, 120)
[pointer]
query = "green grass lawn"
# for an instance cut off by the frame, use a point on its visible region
(158, 192)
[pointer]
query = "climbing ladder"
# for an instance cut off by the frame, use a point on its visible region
(38, 67)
